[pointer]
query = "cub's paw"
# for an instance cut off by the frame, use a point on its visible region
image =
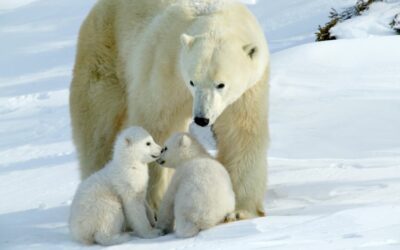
(165, 229)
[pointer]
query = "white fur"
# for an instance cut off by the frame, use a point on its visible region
(200, 194)
(119, 189)
(134, 64)
(207, 61)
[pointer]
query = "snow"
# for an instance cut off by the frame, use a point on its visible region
(334, 179)
(337, 99)
(9, 5)
(373, 22)
(292, 22)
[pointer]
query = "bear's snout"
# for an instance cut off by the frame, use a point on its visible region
(202, 122)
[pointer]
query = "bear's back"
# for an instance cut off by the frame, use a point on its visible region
(205, 190)
(203, 172)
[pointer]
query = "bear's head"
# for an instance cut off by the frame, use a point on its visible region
(180, 147)
(135, 144)
(218, 69)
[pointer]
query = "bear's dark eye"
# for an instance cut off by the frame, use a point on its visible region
(191, 83)
(220, 86)
(148, 143)
(165, 149)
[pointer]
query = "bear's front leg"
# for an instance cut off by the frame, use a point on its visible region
(151, 216)
(158, 182)
(242, 139)
(166, 216)
(247, 167)
(135, 211)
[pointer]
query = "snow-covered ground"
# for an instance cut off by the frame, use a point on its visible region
(375, 21)
(334, 179)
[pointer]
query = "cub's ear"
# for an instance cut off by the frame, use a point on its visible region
(185, 141)
(128, 141)
(251, 50)
(187, 40)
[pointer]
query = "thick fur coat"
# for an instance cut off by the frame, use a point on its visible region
(115, 197)
(200, 195)
(159, 64)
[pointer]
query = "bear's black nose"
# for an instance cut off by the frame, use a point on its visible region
(202, 122)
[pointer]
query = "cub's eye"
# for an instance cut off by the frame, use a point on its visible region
(165, 149)
(148, 143)
(220, 86)
(191, 83)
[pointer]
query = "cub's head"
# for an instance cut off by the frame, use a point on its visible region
(218, 69)
(178, 148)
(136, 144)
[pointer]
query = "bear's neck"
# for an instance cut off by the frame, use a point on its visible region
(195, 154)
(129, 164)
(129, 179)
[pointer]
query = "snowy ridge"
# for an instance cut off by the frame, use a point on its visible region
(334, 160)
(373, 22)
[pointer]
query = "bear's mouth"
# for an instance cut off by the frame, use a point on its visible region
(154, 156)
(160, 161)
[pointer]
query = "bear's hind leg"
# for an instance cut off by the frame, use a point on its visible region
(186, 228)
(111, 224)
(97, 94)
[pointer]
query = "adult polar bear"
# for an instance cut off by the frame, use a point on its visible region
(150, 63)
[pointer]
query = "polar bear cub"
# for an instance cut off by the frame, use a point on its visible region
(200, 194)
(114, 197)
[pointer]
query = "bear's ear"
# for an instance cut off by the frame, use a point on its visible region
(185, 141)
(128, 141)
(251, 50)
(187, 40)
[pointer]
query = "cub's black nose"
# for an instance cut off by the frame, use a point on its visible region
(202, 122)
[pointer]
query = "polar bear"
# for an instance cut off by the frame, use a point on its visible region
(99, 205)
(161, 64)
(200, 194)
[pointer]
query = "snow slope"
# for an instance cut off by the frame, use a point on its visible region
(334, 179)
(288, 23)
(9, 5)
(337, 98)
(373, 22)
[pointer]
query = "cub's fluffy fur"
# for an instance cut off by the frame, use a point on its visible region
(200, 194)
(115, 196)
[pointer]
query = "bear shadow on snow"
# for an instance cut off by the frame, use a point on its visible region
(42, 162)
(35, 226)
